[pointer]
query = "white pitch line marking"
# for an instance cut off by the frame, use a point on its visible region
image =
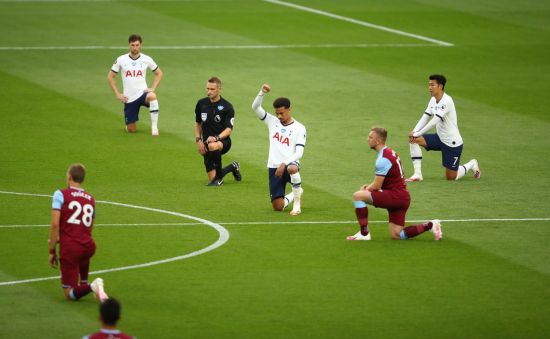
(328, 222)
(210, 47)
(359, 22)
(222, 239)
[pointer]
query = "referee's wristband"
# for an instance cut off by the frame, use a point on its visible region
(197, 139)
(218, 138)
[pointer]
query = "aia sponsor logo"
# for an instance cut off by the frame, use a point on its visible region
(132, 73)
(281, 138)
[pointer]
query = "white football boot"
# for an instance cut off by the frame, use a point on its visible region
(436, 229)
(359, 236)
(97, 288)
(477, 171)
(296, 207)
(415, 177)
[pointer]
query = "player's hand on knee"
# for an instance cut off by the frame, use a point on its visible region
(280, 170)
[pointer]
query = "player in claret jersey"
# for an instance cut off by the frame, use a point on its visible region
(73, 214)
(388, 190)
(109, 314)
(133, 69)
(287, 140)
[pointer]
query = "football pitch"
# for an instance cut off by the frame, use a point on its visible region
(190, 261)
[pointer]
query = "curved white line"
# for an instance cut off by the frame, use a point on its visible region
(223, 238)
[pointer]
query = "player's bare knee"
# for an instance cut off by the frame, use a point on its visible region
(292, 169)
(394, 234)
(213, 146)
(151, 96)
(278, 205)
(357, 196)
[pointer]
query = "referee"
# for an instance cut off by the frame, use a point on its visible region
(214, 117)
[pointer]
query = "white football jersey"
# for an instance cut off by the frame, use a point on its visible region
(133, 74)
(283, 140)
(447, 129)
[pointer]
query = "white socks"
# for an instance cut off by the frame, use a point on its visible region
(463, 169)
(288, 199)
(296, 182)
(154, 110)
(416, 155)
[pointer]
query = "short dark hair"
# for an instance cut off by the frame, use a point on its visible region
(77, 172)
(381, 132)
(215, 80)
(109, 310)
(281, 102)
(440, 79)
(134, 37)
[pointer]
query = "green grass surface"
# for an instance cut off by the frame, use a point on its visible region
(277, 277)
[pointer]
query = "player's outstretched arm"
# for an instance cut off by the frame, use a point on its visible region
(257, 103)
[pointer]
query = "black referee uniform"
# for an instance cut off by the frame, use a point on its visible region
(214, 118)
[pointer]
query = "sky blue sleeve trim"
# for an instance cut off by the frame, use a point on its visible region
(360, 204)
(383, 166)
(57, 200)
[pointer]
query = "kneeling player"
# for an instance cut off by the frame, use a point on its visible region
(389, 191)
(133, 69)
(286, 147)
(73, 213)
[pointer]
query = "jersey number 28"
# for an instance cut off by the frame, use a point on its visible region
(81, 213)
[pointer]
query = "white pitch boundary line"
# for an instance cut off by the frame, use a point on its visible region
(328, 222)
(359, 22)
(222, 239)
(209, 47)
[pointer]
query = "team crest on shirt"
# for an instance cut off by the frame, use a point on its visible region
(220, 108)
(217, 118)
(203, 116)
(442, 106)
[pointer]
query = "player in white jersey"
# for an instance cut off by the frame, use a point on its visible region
(441, 111)
(133, 69)
(287, 139)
